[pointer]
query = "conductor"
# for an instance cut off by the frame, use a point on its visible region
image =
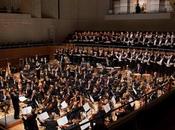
(15, 101)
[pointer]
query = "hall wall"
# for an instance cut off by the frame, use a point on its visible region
(73, 15)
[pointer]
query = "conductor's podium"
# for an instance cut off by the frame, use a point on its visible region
(10, 122)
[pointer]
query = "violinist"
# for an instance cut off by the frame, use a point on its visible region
(29, 120)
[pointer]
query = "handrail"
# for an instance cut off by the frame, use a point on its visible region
(27, 44)
(119, 46)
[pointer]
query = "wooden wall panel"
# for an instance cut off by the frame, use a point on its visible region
(13, 55)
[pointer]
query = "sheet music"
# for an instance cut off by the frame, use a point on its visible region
(107, 108)
(130, 100)
(113, 100)
(86, 107)
(85, 126)
(22, 98)
(64, 105)
(62, 121)
(27, 110)
(43, 116)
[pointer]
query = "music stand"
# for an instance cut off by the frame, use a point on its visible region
(5, 114)
(5, 106)
(5, 123)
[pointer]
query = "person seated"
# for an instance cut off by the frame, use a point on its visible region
(5, 101)
(51, 124)
(29, 120)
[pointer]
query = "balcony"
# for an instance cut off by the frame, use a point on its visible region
(14, 16)
(146, 11)
(140, 16)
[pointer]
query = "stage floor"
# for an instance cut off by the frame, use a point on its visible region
(18, 124)
(21, 127)
(14, 125)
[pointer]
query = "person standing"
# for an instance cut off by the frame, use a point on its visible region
(15, 101)
(138, 9)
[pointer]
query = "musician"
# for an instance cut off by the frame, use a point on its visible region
(140, 39)
(50, 124)
(100, 121)
(40, 93)
(2, 83)
(86, 80)
(33, 99)
(10, 82)
(30, 122)
(52, 106)
(139, 69)
(15, 101)
(5, 99)
(1, 72)
(38, 66)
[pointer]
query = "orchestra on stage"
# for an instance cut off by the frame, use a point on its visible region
(81, 84)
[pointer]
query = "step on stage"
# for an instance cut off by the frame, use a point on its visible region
(10, 122)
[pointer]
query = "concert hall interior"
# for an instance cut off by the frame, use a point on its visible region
(87, 64)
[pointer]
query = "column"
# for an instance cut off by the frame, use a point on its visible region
(162, 6)
(153, 6)
(25, 6)
(111, 7)
(36, 8)
(128, 6)
(123, 6)
(9, 5)
(15, 6)
(50, 9)
(117, 6)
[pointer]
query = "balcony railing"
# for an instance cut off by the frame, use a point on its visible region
(10, 10)
(153, 8)
(144, 97)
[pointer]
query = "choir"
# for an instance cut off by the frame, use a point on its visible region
(165, 40)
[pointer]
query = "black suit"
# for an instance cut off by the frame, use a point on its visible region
(15, 102)
(139, 70)
(30, 123)
(100, 121)
(51, 124)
